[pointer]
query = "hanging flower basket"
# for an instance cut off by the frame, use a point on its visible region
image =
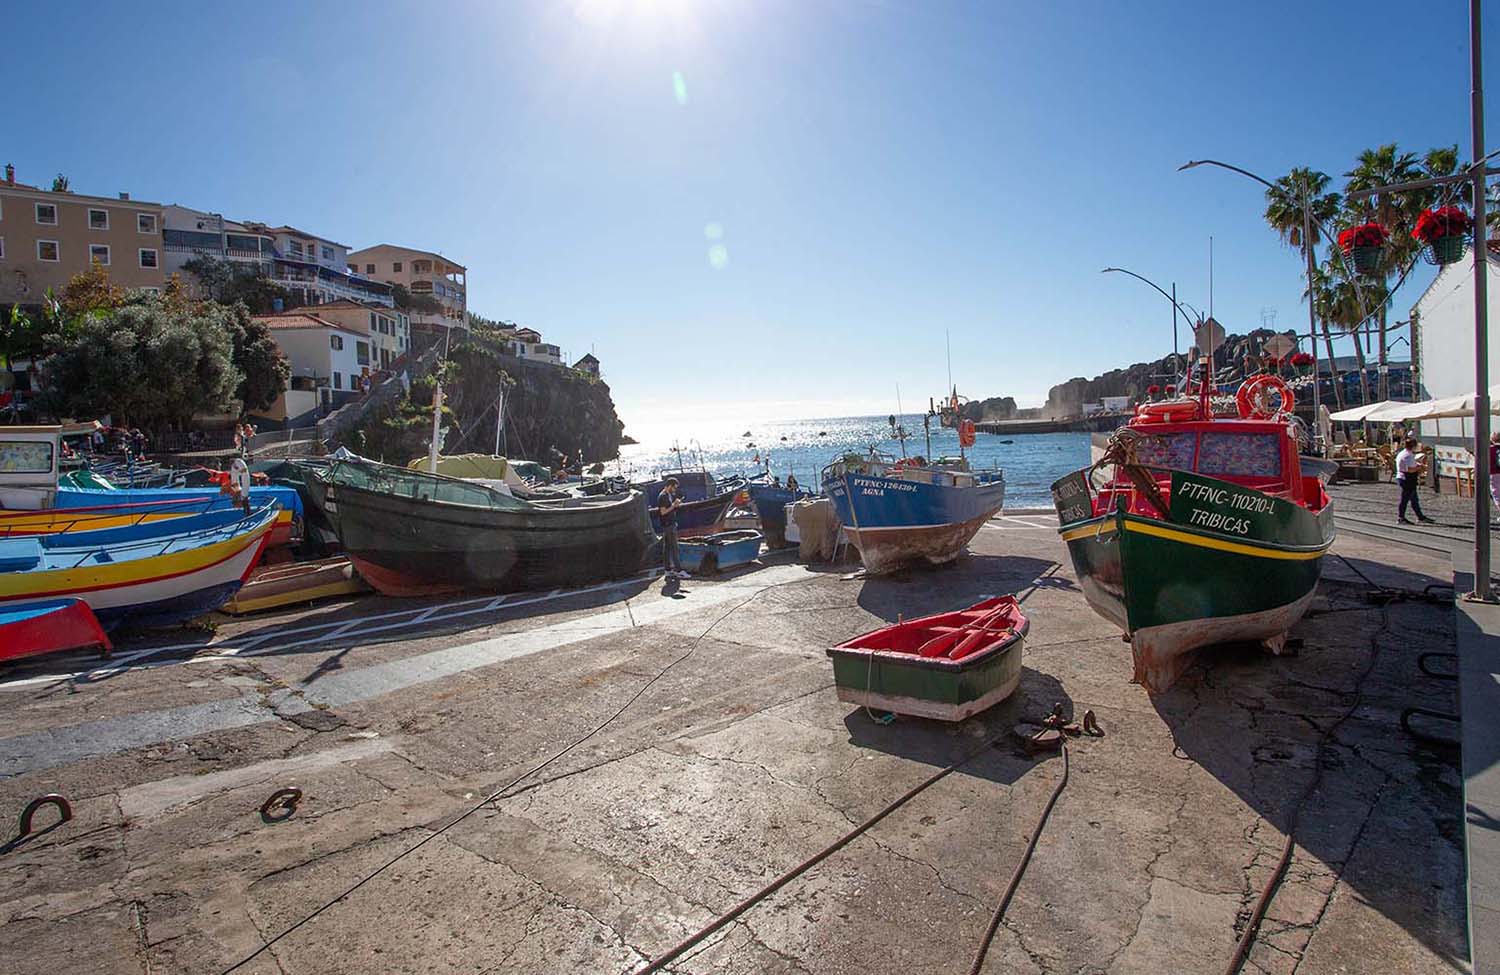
(1363, 245)
(1152, 390)
(1445, 232)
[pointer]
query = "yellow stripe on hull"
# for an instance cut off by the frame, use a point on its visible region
(47, 582)
(1202, 541)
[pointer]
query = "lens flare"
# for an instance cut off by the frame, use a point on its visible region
(718, 257)
(679, 87)
(714, 231)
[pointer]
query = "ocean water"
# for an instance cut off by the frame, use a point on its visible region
(803, 447)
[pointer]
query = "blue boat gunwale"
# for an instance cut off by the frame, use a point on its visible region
(167, 544)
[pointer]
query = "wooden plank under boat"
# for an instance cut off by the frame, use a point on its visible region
(273, 586)
(47, 626)
(410, 533)
(946, 666)
(1214, 534)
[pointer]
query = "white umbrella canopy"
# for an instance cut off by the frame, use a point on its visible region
(1357, 413)
(1453, 407)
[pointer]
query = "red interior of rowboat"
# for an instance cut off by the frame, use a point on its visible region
(953, 636)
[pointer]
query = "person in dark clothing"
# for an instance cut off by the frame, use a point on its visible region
(667, 504)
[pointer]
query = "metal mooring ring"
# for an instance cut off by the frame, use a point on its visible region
(64, 809)
(284, 800)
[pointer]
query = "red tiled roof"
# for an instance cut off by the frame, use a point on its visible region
(287, 320)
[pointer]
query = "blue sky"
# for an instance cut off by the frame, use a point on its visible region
(875, 173)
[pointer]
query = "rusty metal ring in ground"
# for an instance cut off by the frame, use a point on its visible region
(1091, 725)
(64, 810)
(281, 805)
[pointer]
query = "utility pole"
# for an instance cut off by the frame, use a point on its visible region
(1312, 315)
(1481, 321)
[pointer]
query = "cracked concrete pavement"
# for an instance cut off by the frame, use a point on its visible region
(734, 766)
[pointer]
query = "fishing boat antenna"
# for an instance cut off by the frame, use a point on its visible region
(927, 427)
(896, 429)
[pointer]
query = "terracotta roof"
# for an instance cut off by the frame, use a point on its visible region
(299, 319)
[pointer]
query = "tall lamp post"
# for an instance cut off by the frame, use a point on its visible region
(1176, 305)
(1475, 173)
(1307, 254)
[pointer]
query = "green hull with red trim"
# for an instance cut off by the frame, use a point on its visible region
(1231, 564)
(948, 690)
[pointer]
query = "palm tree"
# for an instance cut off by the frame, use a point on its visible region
(1397, 212)
(1284, 205)
(1348, 305)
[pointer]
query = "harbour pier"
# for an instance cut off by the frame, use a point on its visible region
(578, 781)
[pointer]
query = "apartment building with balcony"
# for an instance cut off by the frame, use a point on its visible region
(422, 273)
(316, 269)
(190, 233)
(529, 345)
(48, 236)
(389, 329)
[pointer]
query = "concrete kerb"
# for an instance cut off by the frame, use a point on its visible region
(1477, 632)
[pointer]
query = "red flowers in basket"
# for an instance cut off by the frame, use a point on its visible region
(1301, 359)
(1171, 390)
(1447, 221)
(1153, 389)
(1365, 235)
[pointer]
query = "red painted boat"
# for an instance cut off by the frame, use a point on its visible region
(948, 666)
(47, 626)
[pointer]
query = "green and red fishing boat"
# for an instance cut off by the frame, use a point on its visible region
(947, 666)
(1197, 529)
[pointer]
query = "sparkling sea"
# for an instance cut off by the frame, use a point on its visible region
(1031, 461)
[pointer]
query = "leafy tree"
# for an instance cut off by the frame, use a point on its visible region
(408, 302)
(230, 281)
(20, 335)
(59, 183)
(148, 362)
(90, 291)
(264, 369)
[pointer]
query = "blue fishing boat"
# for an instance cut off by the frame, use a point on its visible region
(720, 551)
(705, 501)
(770, 499)
(287, 530)
(899, 512)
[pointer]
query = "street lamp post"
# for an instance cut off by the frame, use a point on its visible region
(1307, 254)
(1176, 305)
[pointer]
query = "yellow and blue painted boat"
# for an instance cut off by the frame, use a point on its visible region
(150, 580)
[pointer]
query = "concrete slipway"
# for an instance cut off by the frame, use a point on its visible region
(395, 716)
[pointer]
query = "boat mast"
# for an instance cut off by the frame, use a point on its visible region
(927, 427)
(437, 415)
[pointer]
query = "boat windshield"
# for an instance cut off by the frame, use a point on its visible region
(419, 486)
(1236, 455)
(1171, 450)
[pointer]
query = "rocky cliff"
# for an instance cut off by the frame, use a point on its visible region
(549, 410)
(1066, 398)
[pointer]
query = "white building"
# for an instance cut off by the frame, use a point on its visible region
(1443, 333)
(188, 233)
(325, 358)
(529, 345)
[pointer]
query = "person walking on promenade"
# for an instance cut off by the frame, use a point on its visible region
(1409, 465)
(1495, 476)
(667, 504)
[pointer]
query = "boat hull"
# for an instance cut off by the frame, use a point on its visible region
(47, 627)
(273, 586)
(408, 547)
(725, 550)
(155, 591)
(770, 502)
(929, 687)
(895, 522)
(1174, 588)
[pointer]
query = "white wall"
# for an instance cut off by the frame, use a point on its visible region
(1446, 347)
(309, 352)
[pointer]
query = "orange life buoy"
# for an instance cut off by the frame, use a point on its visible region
(966, 433)
(1252, 400)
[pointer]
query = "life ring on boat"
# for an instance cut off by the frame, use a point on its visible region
(966, 433)
(1170, 411)
(1252, 399)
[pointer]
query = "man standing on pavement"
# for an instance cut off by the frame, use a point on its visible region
(667, 504)
(1409, 465)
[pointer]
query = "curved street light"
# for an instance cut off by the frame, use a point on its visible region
(1307, 253)
(1176, 305)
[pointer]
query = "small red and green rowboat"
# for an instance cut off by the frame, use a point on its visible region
(948, 666)
(49, 625)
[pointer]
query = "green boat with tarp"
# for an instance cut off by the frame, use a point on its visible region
(1196, 529)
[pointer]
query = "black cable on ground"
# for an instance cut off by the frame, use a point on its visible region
(493, 796)
(1015, 877)
(1268, 892)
